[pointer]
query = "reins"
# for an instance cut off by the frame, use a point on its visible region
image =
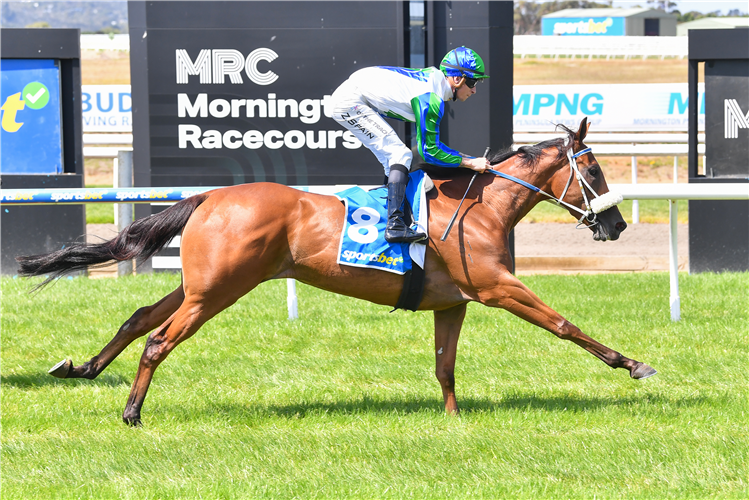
(593, 207)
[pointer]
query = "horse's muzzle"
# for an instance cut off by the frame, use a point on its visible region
(602, 231)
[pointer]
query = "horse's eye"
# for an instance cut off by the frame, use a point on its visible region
(593, 171)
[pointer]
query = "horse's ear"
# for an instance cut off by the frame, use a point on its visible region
(582, 131)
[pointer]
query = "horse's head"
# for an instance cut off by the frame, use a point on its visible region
(580, 182)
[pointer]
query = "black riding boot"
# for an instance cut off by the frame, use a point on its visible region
(396, 230)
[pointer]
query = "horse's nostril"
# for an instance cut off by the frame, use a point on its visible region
(621, 226)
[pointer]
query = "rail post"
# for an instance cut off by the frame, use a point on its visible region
(291, 299)
(635, 203)
(124, 179)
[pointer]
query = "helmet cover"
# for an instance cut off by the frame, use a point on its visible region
(463, 61)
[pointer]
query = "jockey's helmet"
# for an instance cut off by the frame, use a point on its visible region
(464, 62)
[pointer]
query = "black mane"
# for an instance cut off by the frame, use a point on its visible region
(530, 155)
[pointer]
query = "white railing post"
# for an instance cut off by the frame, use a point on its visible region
(635, 203)
(291, 299)
(124, 179)
(673, 260)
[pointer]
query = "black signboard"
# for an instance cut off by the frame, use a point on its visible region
(240, 91)
(34, 230)
(719, 229)
(727, 118)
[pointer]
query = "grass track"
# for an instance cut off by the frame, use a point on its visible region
(343, 403)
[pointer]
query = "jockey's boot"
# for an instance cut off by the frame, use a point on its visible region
(396, 230)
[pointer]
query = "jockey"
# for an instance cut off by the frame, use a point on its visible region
(412, 95)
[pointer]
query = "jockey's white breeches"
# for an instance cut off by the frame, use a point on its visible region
(353, 111)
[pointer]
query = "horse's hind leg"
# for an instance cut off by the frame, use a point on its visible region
(140, 323)
(190, 316)
(447, 324)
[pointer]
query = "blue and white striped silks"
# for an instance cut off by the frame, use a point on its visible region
(363, 238)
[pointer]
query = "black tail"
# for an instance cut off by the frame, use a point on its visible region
(141, 239)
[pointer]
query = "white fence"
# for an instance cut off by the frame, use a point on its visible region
(601, 46)
(105, 42)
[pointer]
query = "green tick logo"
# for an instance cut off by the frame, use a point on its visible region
(36, 95)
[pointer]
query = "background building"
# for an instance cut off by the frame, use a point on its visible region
(609, 22)
(712, 23)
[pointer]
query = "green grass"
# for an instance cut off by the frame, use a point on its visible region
(651, 211)
(344, 403)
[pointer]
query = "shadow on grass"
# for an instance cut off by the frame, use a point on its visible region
(469, 406)
(40, 380)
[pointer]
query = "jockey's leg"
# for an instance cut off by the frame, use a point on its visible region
(353, 112)
(397, 231)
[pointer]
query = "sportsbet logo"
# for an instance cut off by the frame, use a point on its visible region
(35, 95)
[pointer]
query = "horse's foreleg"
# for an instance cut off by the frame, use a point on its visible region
(140, 323)
(447, 324)
(515, 297)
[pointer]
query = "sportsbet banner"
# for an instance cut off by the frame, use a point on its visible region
(657, 107)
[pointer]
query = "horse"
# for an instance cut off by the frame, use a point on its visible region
(235, 238)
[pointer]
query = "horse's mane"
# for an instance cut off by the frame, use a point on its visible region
(529, 156)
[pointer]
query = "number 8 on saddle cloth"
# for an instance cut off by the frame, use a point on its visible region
(363, 237)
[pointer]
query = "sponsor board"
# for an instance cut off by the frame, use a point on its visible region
(101, 195)
(583, 26)
(106, 108)
(658, 107)
(30, 131)
(537, 108)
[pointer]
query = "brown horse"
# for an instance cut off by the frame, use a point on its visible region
(237, 237)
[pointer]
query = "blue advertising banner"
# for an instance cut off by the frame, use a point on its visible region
(31, 134)
(596, 26)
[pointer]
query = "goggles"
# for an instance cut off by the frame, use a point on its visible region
(471, 82)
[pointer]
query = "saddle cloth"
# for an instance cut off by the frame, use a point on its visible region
(363, 237)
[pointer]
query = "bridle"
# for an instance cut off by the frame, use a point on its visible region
(589, 216)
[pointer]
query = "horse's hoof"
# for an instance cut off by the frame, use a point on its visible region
(61, 369)
(642, 371)
(132, 421)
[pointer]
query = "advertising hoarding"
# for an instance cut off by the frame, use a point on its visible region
(31, 133)
(107, 108)
(658, 107)
(240, 91)
(583, 26)
(609, 108)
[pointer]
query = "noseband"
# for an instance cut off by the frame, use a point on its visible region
(592, 207)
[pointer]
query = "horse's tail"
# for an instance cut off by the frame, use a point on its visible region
(141, 240)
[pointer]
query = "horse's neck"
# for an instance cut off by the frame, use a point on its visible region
(513, 201)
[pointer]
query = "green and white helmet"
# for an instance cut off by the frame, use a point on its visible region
(463, 62)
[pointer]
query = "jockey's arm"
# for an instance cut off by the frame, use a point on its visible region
(429, 109)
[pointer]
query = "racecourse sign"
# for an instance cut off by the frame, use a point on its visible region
(240, 91)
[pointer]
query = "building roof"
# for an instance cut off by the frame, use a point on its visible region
(614, 12)
(712, 23)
